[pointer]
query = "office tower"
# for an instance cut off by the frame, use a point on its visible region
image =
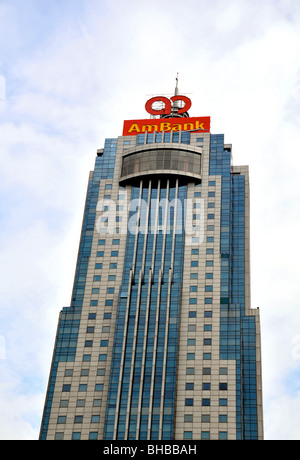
(160, 341)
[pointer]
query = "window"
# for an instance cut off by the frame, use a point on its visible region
(107, 316)
(97, 277)
(68, 372)
(82, 387)
(100, 254)
(110, 290)
(209, 251)
(78, 418)
(64, 403)
(206, 342)
(190, 371)
(209, 288)
(113, 265)
(108, 186)
(95, 419)
(223, 386)
(212, 183)
(208, 314)
(111, 277)
(207, 327)
(222, 418)
(205, 418)
(223, 371)
(205, 402)
(97, 403)
(211, 194)
(205, 386)
(105, 329)
(192, 314)
(61, 419)
(189, 402)
(109, 302)
(195, 252)
(206, 371)
(84, 372)
(197, 194)
(207, 356)
(102, 357)
(193, 301)
(205, 435)
(210, 216)
(59, 436)
(98, 267)
(116, 242)
(76, 436)
(223, 402)
(188, 418)
(223, 435)
(101, 242)
(92, 316)
(194, 276)
(99, 387)
(80, 403)
(114, 253)
(94, 303)
(210, 239)
(193, 288)
(104, 343)
(93, 436)
(189, 386)
(66, 388)
(190, 356)
(191, 342)
(101, 371)
(95, 291)
(208, 300)
(209, 276)
(188, 435)
(88, 343)
(86, 358)
(209, 263)
(211, 205)
(194, 263)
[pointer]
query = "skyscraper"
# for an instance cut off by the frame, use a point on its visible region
(160, 341)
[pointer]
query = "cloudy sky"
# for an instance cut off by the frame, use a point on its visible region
(70, 72)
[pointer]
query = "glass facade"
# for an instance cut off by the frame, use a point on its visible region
(159, 341)
(141, 397)
(237, 331)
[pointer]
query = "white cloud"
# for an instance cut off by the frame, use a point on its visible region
(71, 80)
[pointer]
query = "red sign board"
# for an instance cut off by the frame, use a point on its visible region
(196, 124)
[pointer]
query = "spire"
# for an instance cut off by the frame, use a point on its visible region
(176, 88)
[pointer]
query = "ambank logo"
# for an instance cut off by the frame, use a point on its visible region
(196, 124)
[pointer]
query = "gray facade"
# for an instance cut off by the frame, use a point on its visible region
(160, 340)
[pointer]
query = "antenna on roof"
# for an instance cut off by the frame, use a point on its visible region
(176, 88)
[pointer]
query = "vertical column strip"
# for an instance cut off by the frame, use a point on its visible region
(137, 315)
(131, 275)
(160, 278)
(168, 315)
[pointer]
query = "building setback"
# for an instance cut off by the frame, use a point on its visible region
(160, 341)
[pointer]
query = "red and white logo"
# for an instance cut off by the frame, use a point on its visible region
(168, 104)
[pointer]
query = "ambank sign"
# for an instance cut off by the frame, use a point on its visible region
(196, 124)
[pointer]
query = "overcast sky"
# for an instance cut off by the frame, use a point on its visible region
(70, 72)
